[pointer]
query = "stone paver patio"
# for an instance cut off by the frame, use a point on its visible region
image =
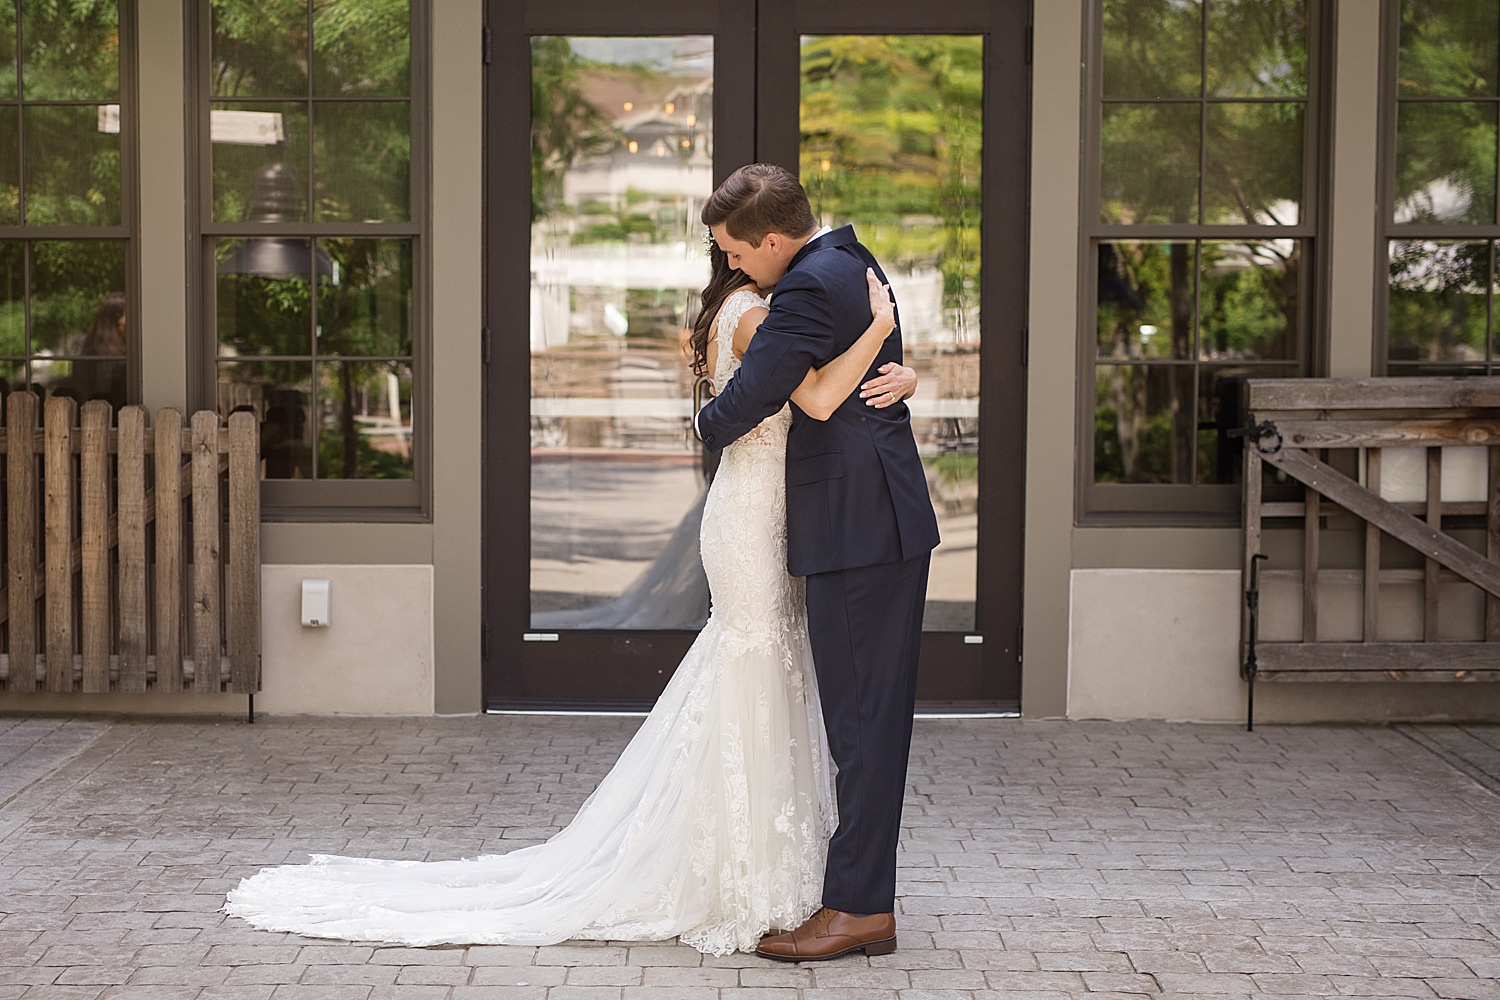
(1040, 859)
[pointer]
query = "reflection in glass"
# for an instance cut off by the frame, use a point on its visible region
(78, 298)
(263, 296)
(1257, 48)
(1250, 300)
(364, 420)
(259, 162)
(1145, 426)
(1253, 173)
(280, 394)
(1449, 48)
(10, 166)
(12, 298)
(1438, 307)
(72, 167)
(361, 48)
(364, 301)
(1145, 293)
(1152, 48)
(259, 48)
(891, 142)
(8, 52)
(72, 50)
(1148, 163)
(622, 147)
(1445, 162)
(362, 161)
(1221, 409)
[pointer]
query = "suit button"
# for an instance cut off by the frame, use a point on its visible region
(861, 419)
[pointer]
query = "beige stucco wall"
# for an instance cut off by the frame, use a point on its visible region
(1053, 318)
(374, 658)
(1154, 644)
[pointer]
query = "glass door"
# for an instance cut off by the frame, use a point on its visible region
(593, 585)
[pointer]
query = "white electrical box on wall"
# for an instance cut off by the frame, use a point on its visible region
(315, 603)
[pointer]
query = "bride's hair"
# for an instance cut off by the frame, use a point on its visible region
(723, 280)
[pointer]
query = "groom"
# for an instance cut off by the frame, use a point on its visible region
(860, 527)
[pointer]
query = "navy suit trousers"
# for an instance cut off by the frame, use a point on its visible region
(866, 630)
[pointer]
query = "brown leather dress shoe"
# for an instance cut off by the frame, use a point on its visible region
(831, 933)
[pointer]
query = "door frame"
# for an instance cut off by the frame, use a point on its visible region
(756, 109)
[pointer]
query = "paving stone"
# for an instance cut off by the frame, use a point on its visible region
(1039, 859)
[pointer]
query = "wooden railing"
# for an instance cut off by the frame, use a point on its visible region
(1294, 424)
(114, 549)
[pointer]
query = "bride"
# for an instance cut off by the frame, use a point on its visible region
(713, 825)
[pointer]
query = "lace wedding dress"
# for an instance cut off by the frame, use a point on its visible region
(713, 825)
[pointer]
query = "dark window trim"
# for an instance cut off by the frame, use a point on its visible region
(326, 500)
(1186, 504)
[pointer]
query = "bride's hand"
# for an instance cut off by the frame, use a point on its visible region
(893, 384)
(881, 307)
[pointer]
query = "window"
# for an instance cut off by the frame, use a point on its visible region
(1440, 187)
(65, 272)
(311, 232)
(1199, 220)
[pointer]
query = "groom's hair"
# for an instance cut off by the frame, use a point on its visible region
(757, 199)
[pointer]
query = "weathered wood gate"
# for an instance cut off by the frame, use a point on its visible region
(1293, 423)
(114, 549)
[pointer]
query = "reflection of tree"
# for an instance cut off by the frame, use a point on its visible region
(1136, 280)
(564, 124)
(897, 119)
(1437, 301)
(1449, 49)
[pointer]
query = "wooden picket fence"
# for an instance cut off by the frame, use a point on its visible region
(114, 549)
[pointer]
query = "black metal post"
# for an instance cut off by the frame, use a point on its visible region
(252, 708)
(1251, 667)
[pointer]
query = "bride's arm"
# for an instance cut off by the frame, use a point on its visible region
(825, 389)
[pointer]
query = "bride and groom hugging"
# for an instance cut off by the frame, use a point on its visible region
(718, 824)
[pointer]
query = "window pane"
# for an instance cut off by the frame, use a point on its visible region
(1438, 302)
(8, 51)
(617, 264)
(1145, 427)
(12, 298)
(364, 420)
(1145, 300)
(1449, 48)
(362, 161)
(72, 50)
(260, 162)
(263, 300)
(1254, 167)
(1149, 163)
(72, 168)
(1153, 48)
(892, 144)
(10, 166)
(78, 298)
(1251, 302)
(1445, 162)
(259, 48)
(1257, 48)
(361, 48)
(364, 305)
(1221, 401)
(280, 393)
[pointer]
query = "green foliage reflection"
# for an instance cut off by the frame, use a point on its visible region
(891, 141)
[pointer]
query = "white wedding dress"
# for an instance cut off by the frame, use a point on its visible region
(714, 823)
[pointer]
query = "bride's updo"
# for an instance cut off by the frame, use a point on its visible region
(723, 280)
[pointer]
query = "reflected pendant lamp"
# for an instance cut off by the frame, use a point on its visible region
(275, 197)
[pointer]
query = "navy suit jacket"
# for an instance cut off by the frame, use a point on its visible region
(856, 493)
